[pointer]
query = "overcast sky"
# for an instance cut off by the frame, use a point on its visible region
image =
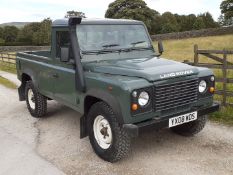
(32, 10)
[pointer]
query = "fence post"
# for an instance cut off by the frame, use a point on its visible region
(8, 59)
(224, 71)
(196, 56)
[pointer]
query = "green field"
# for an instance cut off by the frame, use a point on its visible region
(180, 50)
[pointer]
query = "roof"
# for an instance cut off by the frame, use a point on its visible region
(64, 22)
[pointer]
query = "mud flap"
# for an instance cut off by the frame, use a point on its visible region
(21, 92)
(83, 127)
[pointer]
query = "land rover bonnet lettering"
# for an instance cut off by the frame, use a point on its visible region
(175, 74)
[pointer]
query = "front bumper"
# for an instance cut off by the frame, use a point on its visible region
(158, 123)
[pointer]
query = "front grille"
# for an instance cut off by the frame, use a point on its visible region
(175, 95)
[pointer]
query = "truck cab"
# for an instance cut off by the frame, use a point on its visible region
(109, 71)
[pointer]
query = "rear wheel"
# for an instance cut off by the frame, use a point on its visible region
(36, 103)
(191, 128)
(108, 139)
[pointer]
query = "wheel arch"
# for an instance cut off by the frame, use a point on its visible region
(93, 96)
(21, 90)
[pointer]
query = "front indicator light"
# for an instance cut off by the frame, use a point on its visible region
(134, 107)
(212, 90)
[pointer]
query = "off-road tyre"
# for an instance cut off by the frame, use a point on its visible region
(121, 142)
(40, 101)
(191, 128)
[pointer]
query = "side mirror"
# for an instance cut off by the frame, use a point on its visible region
(64, 54)
(160, 48)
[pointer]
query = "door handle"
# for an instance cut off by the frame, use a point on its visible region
(55, 75)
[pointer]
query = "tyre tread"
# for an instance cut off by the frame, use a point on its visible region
(122, 143)
(40, 100)
(191, 128)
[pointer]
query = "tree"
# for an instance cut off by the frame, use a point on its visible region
(10, 33)
(132, 9)
(156, 25)
(2, 41)
(169, 23)
(221, 20)
(74, 13)
(168, 28)
(199, 23)
(36, 33)
(26, 33)
(43, 35)
(185, 22)
(1, 32)
(208, 20)
(227, 12)
(191, 19)
(182, 22)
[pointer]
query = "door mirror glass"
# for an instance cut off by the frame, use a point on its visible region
(64, 54)
(160, 47)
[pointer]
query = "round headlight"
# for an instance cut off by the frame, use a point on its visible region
(202, 86)
(143, 98)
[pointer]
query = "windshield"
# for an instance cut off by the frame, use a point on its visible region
(112, 37)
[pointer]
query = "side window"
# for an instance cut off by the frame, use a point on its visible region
(63, 40)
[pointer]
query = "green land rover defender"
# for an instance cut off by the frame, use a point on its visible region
(109, 72)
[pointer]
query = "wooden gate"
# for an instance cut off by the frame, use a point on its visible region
(8, 59)
(222, 63)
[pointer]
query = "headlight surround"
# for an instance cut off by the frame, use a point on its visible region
(202, 86)
(143, 98)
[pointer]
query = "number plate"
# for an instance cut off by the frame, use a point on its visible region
(182, 119)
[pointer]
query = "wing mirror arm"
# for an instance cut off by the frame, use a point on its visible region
(160, 48)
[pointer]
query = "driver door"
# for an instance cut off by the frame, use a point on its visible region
(64, 84)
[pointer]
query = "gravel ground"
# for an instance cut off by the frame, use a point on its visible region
(52, 146)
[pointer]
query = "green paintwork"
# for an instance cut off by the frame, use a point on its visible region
(123, 72)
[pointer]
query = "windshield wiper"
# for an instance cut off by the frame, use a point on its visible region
(138, 42)
(110, 45)
(97, 52)
(106, 51)
(136, 48)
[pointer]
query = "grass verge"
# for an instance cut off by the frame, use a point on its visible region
(223, 116)
(6, 68)
(7, 83)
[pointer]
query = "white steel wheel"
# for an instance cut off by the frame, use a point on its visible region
(31, 99)
(102, 132)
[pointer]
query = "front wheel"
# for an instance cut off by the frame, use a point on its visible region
(108, 139)
(191, 128)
